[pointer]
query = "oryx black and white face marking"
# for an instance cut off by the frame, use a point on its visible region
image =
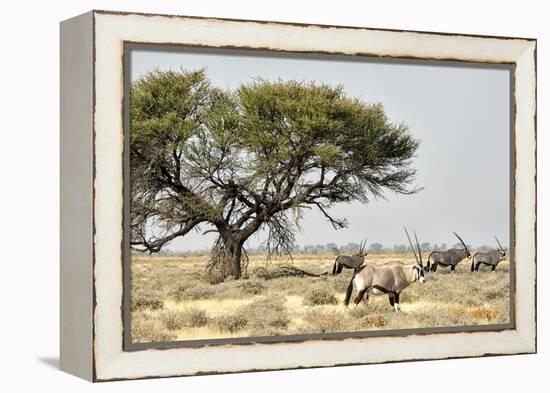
(419, 270)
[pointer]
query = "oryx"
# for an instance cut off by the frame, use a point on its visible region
(350, 261)
(390, 278)
(490, 258)
(448, 258)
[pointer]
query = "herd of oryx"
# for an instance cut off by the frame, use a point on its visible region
(392, 278)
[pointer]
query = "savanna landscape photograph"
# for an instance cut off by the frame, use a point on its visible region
(278, 195)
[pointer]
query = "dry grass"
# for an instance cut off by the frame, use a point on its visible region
(171, 300)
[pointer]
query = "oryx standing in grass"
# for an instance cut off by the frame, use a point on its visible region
(390, 278)
(350, 261)
(489, 258)
(450, 257)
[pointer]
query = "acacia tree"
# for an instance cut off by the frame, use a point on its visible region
(238, 162)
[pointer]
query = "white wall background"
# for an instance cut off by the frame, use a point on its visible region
(30, 181)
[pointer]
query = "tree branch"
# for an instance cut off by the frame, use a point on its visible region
(156, 245)
(336, 223)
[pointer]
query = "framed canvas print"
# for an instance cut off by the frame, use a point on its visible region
(247, 195)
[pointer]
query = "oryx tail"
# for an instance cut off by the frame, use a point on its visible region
(337, 268)
(428, 264)
(349, 290)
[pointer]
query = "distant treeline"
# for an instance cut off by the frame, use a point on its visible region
(349, 248)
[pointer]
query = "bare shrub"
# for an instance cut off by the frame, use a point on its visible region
(324, 322)
(195, 318)
(474, 302)
(199, 291)
(261, 272)
(251, 287)
(484, 313)
(369, 316)
(144, 329)
(231, 323)
(359, 311)
(340, 282)
(213, 276)
(494, 293)
(140, 301)
(319, 295)
(266, 316)
(376, 321)
(263, 317)
(177, 292)
(173, 320)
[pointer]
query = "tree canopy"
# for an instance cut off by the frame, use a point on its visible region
(234, 162)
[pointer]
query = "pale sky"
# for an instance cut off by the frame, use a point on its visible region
(460, 113)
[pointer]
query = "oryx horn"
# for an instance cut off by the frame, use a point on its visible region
(461, 241)
(362, 246)
(499, 245)
(418, 247)
(410, 242)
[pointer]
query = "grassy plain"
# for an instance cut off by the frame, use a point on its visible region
(171, 300)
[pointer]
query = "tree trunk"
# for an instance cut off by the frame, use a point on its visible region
(226, 257)
(233, 254)
(236, 267)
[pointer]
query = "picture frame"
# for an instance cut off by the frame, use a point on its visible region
(93, 272)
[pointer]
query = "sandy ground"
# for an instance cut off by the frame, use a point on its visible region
(172, 301)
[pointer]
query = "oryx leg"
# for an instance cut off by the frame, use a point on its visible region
(453, 267)
(391, 297)
(477, 266)
(434, 267)
(493, 268)
(359, 296)
(397, 306)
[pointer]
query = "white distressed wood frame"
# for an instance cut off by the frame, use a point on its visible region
(92, 90)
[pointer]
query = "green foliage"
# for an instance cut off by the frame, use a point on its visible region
(315, 128)
(237, 161)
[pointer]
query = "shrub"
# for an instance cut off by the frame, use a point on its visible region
(231, 323)
(340, 283)
(484, 313)
(496, 293)
(200, 291)
(360, 311)
(178, 292)
(262, 272)
(213, 277)
(195, 318)
(375, 320)
(250, 287)
(173, 320)
(325, 322)
(266, 317)
(319, 295)
(140, 302)
(146, 330)
(263, 317)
